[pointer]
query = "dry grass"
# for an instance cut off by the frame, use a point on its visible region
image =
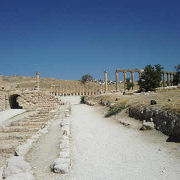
(169, 99)
(45, 83)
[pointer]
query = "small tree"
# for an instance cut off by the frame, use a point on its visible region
(129, 84)
(176, 79)
(150, 78)
(86, 77)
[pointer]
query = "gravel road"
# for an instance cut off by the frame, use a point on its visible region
(104, 149)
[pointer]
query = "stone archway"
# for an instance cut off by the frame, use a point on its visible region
(13, 102)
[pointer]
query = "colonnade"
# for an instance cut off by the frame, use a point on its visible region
(167, 77)
(132, 71)
(59, 90)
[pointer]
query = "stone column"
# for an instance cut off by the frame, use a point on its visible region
(105, 80)
(171, 78)
(164, 81)
(124, 80)
(37, 80)
(51, 91)
(132, 76)
(168, 81)
(117, 80)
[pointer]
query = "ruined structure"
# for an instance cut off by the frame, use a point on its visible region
(75, 90)
(166, 76)
(27, 99)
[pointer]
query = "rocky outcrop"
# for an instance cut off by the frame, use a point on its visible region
(166, 121)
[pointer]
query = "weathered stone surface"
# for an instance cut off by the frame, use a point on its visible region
(64, 154)
(21, 176)
(16, 168)
(64, 144)
(61, 165)
(61, 168)
(166, 121)
(147, 125)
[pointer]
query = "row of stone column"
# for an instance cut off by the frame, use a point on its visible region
(124, 72)
(170, 77)
(117, 81)
(73, 91)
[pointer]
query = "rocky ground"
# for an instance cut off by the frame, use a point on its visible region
(101, 148)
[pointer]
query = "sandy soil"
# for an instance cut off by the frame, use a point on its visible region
(44, 152)
(104, 149)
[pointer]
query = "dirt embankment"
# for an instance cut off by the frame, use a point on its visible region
(165, 113)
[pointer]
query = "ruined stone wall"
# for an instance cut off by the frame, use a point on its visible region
(164, 120)
(37, 101)
(4, 103)
(30, 100)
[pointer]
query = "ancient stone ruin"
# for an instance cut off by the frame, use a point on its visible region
(166, 76)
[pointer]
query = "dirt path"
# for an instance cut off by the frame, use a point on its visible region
(44, 152)
(104, 149)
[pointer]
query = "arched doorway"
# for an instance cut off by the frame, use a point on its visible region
(13, 102)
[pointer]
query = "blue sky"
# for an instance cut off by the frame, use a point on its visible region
(68, 38)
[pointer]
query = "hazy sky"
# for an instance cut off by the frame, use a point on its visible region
(68, 38)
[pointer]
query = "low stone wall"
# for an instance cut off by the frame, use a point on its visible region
(166, 121)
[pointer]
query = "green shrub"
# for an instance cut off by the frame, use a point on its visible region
(115, 110)
(82, 100)
(150, 78)
(129, 84)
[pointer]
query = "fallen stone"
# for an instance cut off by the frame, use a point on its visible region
(60, 161)
(64, 154)
(64, 144)
(147, 125)
(61, 168)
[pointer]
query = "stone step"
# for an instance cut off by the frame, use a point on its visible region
(18, 129)
(27, 123)
(15, 135)
(7, 148)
